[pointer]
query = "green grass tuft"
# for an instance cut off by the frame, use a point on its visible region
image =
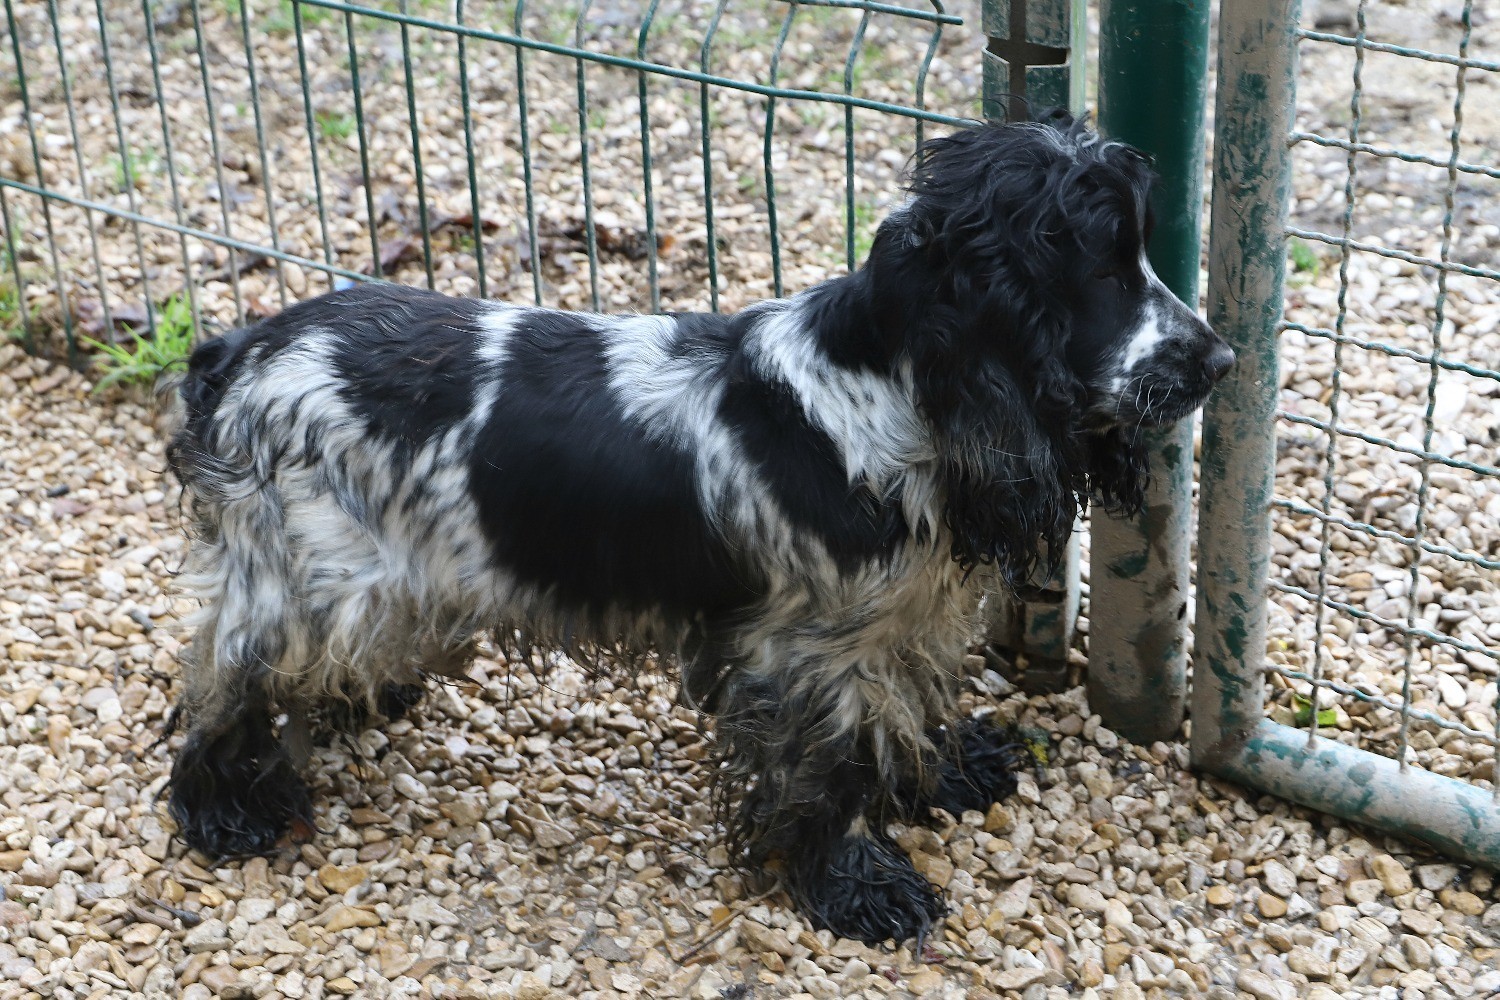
(143, 361)
(336, 125)
(1304, 259)
(12, 313)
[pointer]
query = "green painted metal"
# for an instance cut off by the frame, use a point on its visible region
(36, 160)
(1246, 265)
(1449, 816)
(1153, 65)
(416, 148)
(1231, 736)
(1033, 61)
(476, 220)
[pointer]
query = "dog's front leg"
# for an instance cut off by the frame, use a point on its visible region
(812, 800)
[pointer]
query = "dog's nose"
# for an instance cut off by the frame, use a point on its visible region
(1218, 362)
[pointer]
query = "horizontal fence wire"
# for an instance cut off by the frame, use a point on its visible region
(1415, 629)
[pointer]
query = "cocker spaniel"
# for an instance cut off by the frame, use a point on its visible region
(789, 502)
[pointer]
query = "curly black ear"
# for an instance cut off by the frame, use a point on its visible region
(1000, 222)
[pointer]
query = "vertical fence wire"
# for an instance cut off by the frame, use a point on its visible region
(1336, 388)
(477, 226)
(416, 148)
(770, 179)
(850, 213)
(127, 167)
(189, 273)
(226, 197)
(356, 90)
(647, 193)
(591, 235)
(36, 160)
(309, 122)
(268, 183)
(524, 121)
(705, 124)
(65, 79)
(1424, 468)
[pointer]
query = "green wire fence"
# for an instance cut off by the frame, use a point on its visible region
(250, 152)
(1345, 492)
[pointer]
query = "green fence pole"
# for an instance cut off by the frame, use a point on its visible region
(1034, 60)
(1153, 64)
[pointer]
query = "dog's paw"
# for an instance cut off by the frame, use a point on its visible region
(396, 700)
(978, 766)
(868, 890)
(233, 808)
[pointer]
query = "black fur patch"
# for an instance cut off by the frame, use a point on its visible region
(578, 499)
(407, 363)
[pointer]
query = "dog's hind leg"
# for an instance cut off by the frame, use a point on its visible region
(234, 788)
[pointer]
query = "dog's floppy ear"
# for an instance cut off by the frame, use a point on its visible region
(990, 361)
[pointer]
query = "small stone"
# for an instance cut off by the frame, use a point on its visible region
(1010, 905)
(1018, 978)
(1467, 903)
(220, 978)
(1115, 955)
(1304, 961)
(998, 819)
(341, 880)
(767, 939)
(1263, 987)
(1365, 890)
(936, 869)
(1117, 914)
(1391, 873)
(1419, 923)
(351, 916)
(1086, 898)
(1279, 878)
(1437, 877)
(548, 834)
(343, 986)
(1271, 907)
(1220, 895)
(925, 983)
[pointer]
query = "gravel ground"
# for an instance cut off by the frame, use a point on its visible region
(538, 834)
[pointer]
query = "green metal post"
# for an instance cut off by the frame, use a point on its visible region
(1035, 60)
(1247, 264)
(1247, 261)
(1153, 67)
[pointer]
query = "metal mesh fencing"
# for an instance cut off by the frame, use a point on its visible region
(231, 156)
(1381, 480)
(1400, 432)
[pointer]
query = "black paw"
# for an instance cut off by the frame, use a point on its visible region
(398, 699)
(237, 794)
(978, 766)
(865, 888)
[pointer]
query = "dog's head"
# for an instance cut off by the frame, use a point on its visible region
(1040, 337)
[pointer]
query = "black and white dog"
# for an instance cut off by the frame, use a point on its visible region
(789, 501)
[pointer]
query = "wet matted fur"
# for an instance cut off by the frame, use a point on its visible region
(789, 501)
